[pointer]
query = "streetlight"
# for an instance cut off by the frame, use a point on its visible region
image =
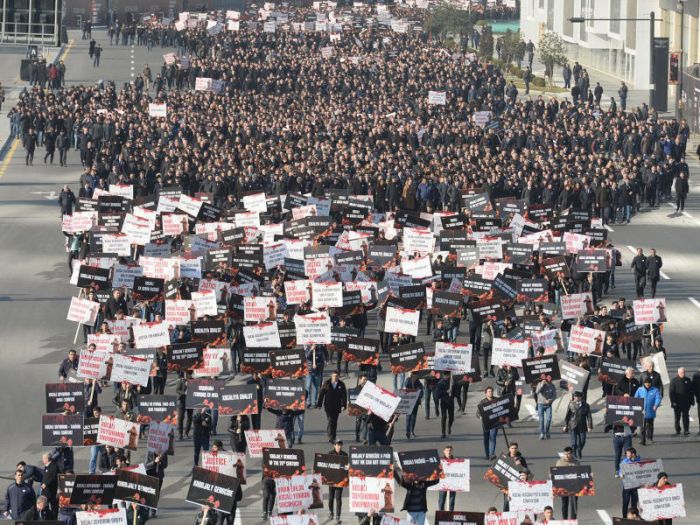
(651, 20)
(680, 7)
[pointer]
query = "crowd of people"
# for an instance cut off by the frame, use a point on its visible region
(343, 138)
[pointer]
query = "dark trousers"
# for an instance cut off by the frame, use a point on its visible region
(620, 444)
(629, 496)
(181, 413)
(678, 413)
(200, 443)
(447, 406)
(654, 282)
(640, 283)
(255, 421)
(442, 497)
(680, 202)
(332, 426)
(269, 495)
(30, 157)
(335, 500)
(62, 156)
(648, 430)
(361, 428)
(158, 385)
(461, 395)
(569, 507)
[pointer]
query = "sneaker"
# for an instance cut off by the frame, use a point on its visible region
(264, 516)
(330, 515)
(686, 433)
(541, 436)
(338, 520)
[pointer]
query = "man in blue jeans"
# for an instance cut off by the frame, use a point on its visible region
(315, 362)
(489, 434)
(546, 393)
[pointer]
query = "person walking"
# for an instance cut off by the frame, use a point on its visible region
(63, 145)
(334, 400)
(98, 54)
(545, 393)
(652, 400)
(335, 493)
(578, 422)
(202, 423)
(682, 188)
(182, 411)
(30, 147)
(415, 501)
(682, 396)
(569, 504)
(447, 454)
(639, 266)
(630, 497)
(19, 497)
(598, 93)
(622, 93)
(490, 434)
(654, 265)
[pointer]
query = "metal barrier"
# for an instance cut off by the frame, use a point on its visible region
(26, 33)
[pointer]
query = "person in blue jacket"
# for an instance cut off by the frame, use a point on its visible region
(652, 400)
(630, 496)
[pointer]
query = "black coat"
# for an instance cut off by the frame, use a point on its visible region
(627, 386)
(333, 400)
(681, 392)
(415, 499)
(50, 481)
(654, 264)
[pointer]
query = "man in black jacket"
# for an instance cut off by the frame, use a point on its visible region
(682, 189)
(415, 502)
(49, 485)
(69, 364)
(66, 199)
(30, 146)
(19, 497)
(202, 430)
(682, 397)
(334, 399)
(654, 264)
(696, 391)
(627, 385)
(39, 512)
(639, 265)
(335, 494)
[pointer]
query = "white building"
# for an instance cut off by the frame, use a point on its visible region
(619, 48)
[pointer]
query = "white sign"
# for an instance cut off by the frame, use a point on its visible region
(128, 369)
(83, 311)
(262, 335)
(453, 357)
(584, 340)
(158, 110)
(457, 475)
(437, 98)
(259, 439)
(401, 321)
(151, 335)
(640, 473)
(662, 503)
(648, 311)
(576, 305)
(531, 496)
(327, 295)
(377, 400)
(509, 352)
(313, 329)
(101, 517)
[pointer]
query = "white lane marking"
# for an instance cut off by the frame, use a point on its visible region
(608, 228)
(664, 276)
(604, 516)
(687, 214)
(532, 410)
(694, 301)
(632, 249)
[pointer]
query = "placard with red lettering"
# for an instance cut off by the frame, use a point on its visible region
(663, 503)
(584, 340)
(118, 433)
(299, 492)
(377, 400)
(531, 496)
(260, 439)
(371, 494)
(83, 311)
(313, 329)
(575, 305)
(649, 311)
(509, 352)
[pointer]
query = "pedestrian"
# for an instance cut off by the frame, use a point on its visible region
(415, 501)
(335, 493)
(566, 75)
(578, 421)
(652, 401)
(98, 54)
(63, 144)
(30, 147)
(315, 363)
(569, 504)
(490, 434)
(654, 265)
(443, 393)
(447, 455)
(237, 428)
(622, 94)
(413, 384)
(39, 512)
(182, 410)
(696, 390)
(334, 400)
(49, 485)
(682, 188)
(545, 393)
(630, 497)
(202, 423)
(527, 77)
(639, 266)
(663, 483)
(682, 396)
(19, 497)
(598, 92)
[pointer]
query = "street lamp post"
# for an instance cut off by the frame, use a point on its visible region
(652, 19)
(679, 87)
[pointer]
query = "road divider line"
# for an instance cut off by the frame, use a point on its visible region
(664, 276)
(604, 516)
(608, 228)
(632, 249)
(694, 301)
(6, 163)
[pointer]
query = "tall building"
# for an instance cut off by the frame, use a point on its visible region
(30, 22)
(617, 47)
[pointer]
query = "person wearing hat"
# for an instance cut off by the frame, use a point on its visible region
(335, 493)
(578, 422)
(652, 400)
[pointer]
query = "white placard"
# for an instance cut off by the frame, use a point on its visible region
(453, 357)
(531, 496)
(83, 311)
(457, 475)
(377, 400)
(313, 329)
(158, 110)
(133, 370)
(437, 98)
(584, 340)
(262, 335)
(509, 352)
(648, 311)
(327, 295)
(662, 503)
(402, 321)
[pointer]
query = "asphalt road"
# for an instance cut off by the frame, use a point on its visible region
(34, 298)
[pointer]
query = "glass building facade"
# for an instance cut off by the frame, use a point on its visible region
(30, 21)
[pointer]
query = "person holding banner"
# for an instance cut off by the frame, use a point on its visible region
(68, 366)
(490, 435)
(182, 411)
(237, 427)
(630, 496)
(569, 504)
(335, 494)
(415, 501)
(652, 401)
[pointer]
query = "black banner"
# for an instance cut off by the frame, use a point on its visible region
(256, 360)
(405, 358)
(420, 465)
(413, 296)
(60, 430)
(333, 469)
(446, 517)
(371, 461)
(147, 288)
(288, 363)
(137, 488)
(572, 481)
(185, 356)
(238, 399)
(534, 290)
(282, 462)
(478, 287)
(214, 490)
(94, 277)
(208, 331)
(157, 408)
(91, 426)
(591, 261)
(340, 336)
(556, 268)
(505, 288)
(499, 411)
(518, 254)
(288, 334)
(382, 254)
(536, 368)
(626, 410)
(612, 370)
(65, 398)
(361, 350)
(447, 304)
(93, 489)
(285, 393)
(504, 469)
(203, 393)
(353, 409)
